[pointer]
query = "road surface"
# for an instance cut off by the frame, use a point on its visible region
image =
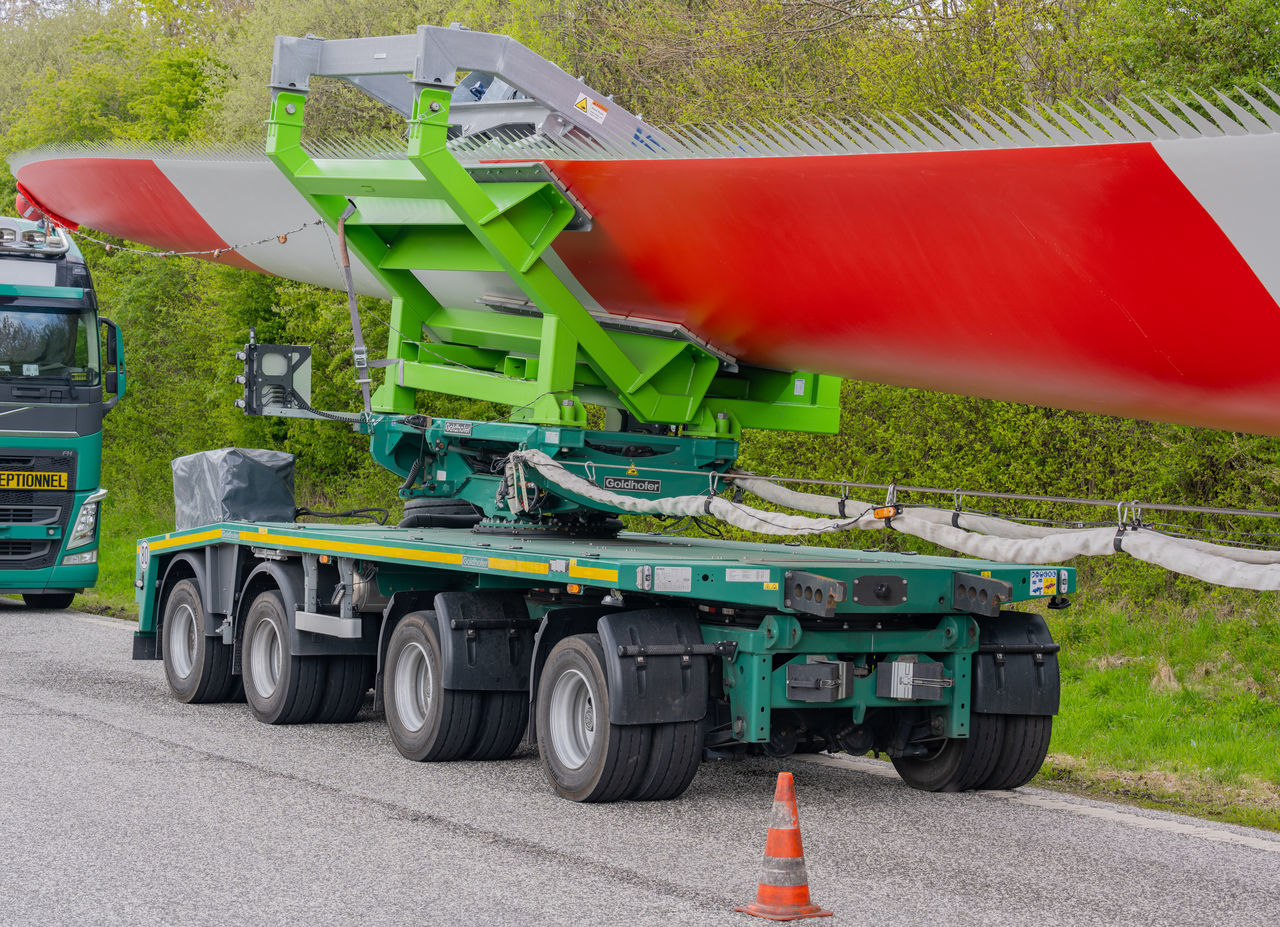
(123, 806)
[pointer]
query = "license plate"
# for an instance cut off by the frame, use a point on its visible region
(33, 481)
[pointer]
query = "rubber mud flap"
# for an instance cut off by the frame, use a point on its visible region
(654, 689)
(486, 640)
(1015, 671)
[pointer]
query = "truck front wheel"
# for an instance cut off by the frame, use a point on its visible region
(585, 757)
(197, 667)
(53, 601)
(280, 688)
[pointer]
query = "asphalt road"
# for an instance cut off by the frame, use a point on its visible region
(121, 805)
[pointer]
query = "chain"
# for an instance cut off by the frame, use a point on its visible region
(282, 238)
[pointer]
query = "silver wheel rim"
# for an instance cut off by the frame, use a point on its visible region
(413, 687)
(573, 719)
(265, 658)
(181, 637)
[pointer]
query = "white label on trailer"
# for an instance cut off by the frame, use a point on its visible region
(1044, 582)
(1062, 582)
(558, 566)
(672, 579)
(595, 110)
(903, 680)
(799, 387)
(732, 575)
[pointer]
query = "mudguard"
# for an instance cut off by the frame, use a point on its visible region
(649, 688)
(1015, 671)
(486, 640)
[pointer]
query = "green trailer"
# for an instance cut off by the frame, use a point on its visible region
(510, 605)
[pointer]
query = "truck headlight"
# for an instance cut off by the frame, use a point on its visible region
(85, 528)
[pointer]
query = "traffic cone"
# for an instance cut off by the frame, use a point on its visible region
(783, 894)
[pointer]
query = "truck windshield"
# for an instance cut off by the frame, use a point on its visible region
(42, 343)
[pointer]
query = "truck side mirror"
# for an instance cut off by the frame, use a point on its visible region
(113, 381)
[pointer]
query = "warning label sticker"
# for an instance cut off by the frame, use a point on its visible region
(1044, 582)
(594, 109)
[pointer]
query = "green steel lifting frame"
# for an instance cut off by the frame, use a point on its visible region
(429, 213)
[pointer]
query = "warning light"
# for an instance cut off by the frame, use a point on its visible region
(886, 511)
(325, 558)
(574, 588)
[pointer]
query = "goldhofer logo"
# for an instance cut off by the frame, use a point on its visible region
(632, 484)
(457, 428)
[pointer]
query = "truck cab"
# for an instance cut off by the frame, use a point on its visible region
(61, 372)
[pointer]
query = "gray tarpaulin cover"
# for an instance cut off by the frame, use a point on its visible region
(232, 484)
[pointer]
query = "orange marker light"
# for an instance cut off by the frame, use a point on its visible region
(574, 588)
(886, 511)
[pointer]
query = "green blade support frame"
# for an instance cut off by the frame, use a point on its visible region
(429, 212)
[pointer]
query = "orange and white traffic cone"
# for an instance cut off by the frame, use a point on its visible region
(783, 894)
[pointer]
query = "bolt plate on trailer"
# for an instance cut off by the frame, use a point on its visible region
(980, 595)
(880, 590)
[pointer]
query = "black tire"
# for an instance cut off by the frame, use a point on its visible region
(197, 667)
(957, 764)
(51, 601)
(344, 689)
(433, 512)
(504, 717)
(280, 688)
(1022, 751)
(674, 756)
(585, 757)
(427, 721)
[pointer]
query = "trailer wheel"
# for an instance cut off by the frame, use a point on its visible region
(1022, 751)
(198, 668)
(584, 756)
(959, 763)
(674, 757)
(427, 721)
(280, 688)
(345, 685)
(53, 601)
(503, 719)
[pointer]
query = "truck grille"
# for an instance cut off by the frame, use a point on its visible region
(13, 551)
(30, 514)
(35, 507)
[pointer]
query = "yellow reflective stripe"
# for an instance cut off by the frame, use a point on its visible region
(346, 547)
(518, 566)
(186, 539)
(582, 572)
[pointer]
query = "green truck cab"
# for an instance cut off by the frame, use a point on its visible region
(61, 371)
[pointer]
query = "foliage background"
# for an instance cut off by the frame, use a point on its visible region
(196, 71)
